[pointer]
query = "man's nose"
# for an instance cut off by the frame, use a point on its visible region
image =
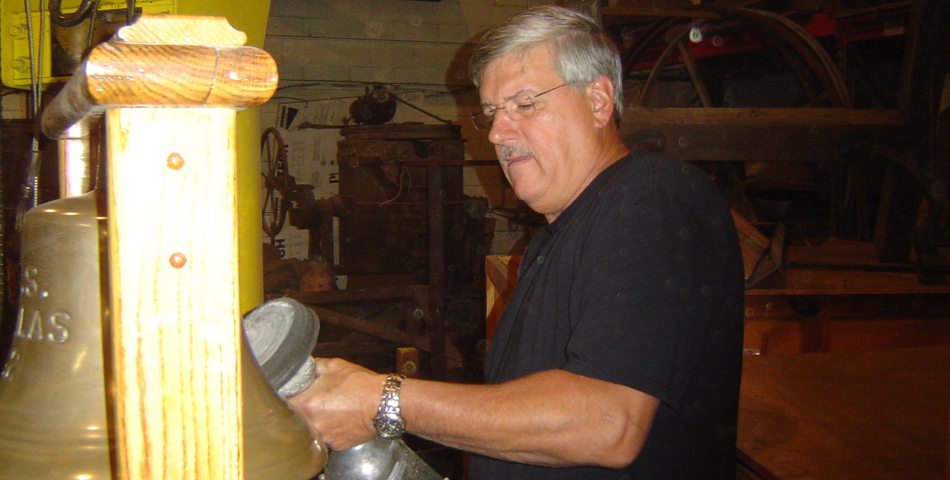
(503, 128)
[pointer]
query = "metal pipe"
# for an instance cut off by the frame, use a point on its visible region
(75, 160)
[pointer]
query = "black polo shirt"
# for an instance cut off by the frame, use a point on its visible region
(638, 282)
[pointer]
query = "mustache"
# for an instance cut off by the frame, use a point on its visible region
(505, 152)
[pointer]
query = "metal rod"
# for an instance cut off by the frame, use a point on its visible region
(447, 122)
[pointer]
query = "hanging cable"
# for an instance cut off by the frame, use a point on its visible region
(31, 183)
(73, 19)
(92, 23)
(403, 172)
(37, 87)
(30, 186)
(32, 55)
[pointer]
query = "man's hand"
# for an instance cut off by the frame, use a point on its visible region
(340, 404)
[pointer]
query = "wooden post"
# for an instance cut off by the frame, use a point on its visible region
(173, 281)
(173, 329)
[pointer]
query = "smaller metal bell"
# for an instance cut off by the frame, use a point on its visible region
(282, 333)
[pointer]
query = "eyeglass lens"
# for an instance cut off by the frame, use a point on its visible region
(522, 107)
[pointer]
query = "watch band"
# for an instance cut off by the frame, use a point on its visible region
(388, 421)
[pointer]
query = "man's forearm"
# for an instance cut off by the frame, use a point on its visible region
(553, 418)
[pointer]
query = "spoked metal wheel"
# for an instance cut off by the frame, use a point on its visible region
(276, 182)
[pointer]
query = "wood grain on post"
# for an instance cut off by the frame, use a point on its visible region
(174, 355)
(174, 299)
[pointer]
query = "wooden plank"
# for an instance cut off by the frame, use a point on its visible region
(867, 416)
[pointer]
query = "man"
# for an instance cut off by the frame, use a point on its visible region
(618, 355)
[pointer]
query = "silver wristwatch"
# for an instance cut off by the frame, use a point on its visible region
(388, 421)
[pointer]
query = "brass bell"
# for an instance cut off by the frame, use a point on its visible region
(53, 421)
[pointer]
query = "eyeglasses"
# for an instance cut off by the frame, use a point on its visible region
(516, 108)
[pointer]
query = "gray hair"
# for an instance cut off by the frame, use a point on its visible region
(581, 49)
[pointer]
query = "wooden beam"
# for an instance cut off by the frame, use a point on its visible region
(755, 134)
(616, 14)
(766, 117)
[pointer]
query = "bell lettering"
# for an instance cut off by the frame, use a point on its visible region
(36, 327)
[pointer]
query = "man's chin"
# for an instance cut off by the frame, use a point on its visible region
(529, 198)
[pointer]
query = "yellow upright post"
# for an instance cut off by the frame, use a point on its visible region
(249, 16)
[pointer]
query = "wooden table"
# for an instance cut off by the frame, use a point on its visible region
(869, 415)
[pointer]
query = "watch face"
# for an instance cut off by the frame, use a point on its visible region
(389, 425)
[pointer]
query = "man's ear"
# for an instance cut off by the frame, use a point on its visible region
(601, 93)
